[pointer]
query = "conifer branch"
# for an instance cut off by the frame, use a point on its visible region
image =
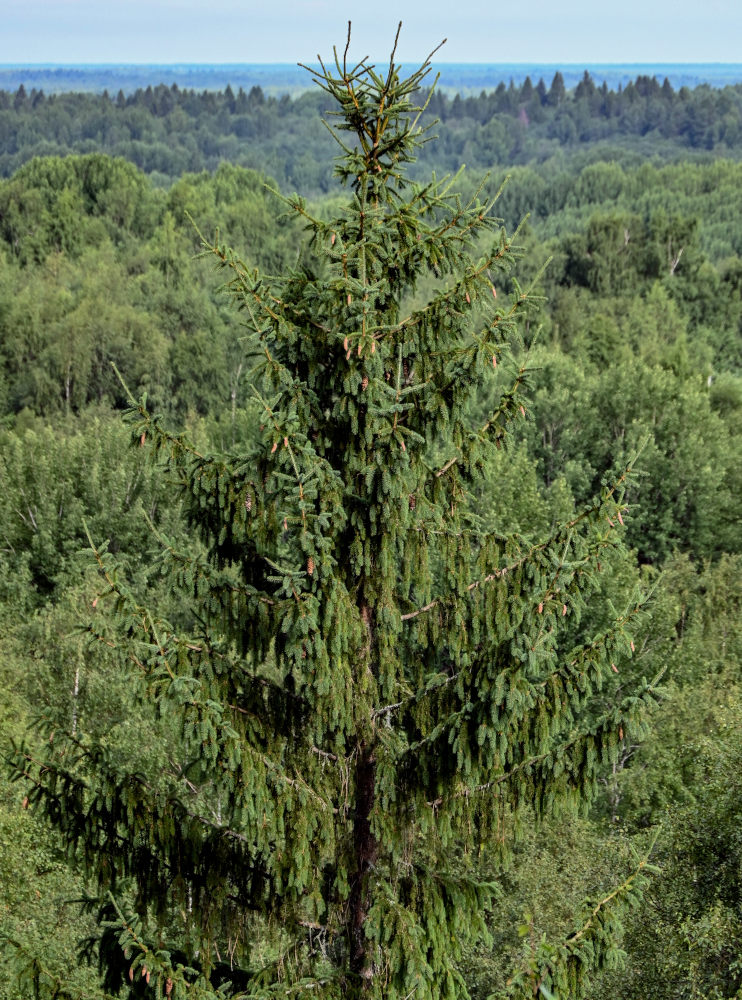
(507, 409)
(558, 968)
(102, 806)
(556, 538)
(621, 891)
(172, 644)
(453, 295)
(244, 288)
(539, 767)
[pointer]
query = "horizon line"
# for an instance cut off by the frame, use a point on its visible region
(296, 65)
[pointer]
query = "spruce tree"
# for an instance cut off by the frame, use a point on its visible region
(360, 694)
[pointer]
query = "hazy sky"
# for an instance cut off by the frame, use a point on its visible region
(549, 31)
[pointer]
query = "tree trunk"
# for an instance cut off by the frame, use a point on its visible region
(366, 849)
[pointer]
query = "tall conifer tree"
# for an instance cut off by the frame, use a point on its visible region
(362, 693)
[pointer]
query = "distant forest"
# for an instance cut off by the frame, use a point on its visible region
(277, 79)
(167, 131)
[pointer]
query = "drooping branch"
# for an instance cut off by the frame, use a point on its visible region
(601, 506)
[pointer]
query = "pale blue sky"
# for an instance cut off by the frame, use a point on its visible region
(229, 31)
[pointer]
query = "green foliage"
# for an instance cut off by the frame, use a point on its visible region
(587, 417)
(111, 195)
(692, 945)
(52, 483)
(640, 338)
(112, 285)
(38, 910)
(351, 680)
(560, 969)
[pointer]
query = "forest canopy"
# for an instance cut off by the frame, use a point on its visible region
(167, 131)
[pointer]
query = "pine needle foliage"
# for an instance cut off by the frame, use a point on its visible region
(363, 693)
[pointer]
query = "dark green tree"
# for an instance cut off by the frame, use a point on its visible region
(360, 694)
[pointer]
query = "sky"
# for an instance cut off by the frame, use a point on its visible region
(245, 31)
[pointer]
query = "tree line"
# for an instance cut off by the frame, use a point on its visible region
(168, 130)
